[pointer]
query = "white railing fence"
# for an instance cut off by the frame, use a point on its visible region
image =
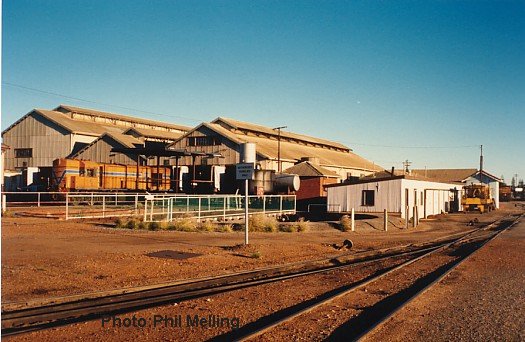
(217, 207)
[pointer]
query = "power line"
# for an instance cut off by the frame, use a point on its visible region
(95, 102)
(415, 147)
(196, 120)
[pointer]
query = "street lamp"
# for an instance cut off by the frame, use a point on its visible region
(279, 166)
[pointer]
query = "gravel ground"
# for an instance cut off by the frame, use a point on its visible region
(482, 300)
(64, 258)
(44, 257)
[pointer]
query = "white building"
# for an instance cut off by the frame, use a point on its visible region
(396, 193)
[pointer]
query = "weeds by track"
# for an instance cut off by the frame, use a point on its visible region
(27, 319)
(359, 327)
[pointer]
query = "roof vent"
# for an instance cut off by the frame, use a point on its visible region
(312, 160)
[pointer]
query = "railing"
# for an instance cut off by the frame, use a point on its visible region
(153, 207)
(204, 207)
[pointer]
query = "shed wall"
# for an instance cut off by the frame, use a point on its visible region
(47, 140)
(386, 196)
(100, 152)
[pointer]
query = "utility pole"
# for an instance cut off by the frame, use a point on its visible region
(481, 165)
(279, 166)
(406, 164)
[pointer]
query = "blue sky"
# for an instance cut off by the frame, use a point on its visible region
(383, 77)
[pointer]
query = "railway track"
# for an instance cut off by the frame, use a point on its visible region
(370, 319)
(28, 319)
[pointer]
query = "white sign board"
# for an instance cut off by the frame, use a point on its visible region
(518, 189)
(245, 171)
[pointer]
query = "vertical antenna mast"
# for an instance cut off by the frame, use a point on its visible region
(481, 165)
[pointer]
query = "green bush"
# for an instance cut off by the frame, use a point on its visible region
(185, 224)
(224, 228)
(261, 223)
(345, 223)
(256, 255)
(287, 228)
(302, 225)
(206, 226)
(154, 225)
(143, 225)
(132, 224)
(119, 223)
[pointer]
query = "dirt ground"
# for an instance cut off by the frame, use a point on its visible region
(481, 300)
(44, 257)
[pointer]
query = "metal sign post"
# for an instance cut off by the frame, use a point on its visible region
(245, 172)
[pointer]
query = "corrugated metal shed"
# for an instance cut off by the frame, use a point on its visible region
(100, 149)
(335, 159)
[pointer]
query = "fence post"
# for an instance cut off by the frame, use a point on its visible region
(407, 210)
(224, 208)
(187, 204)
(145, 210)
(67, 206)
(385, 220)
(116, 198)
(264, 204)
(92, 199)
(414, 223)
(103, 206)
(353, 219)
(38, 199)
(136, 204)
(151, 210)
(280, 204)
(199, 212)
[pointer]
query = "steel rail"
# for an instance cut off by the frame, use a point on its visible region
(260, 330)
(417, 294)
(56, 315)
(24, 320)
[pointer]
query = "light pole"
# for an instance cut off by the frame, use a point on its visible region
(279, 166)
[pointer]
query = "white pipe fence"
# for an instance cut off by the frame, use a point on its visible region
(153, 207)
(215, 207)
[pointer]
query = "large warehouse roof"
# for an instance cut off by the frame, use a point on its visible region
(71, 110)
(258, 130)
(292, 149)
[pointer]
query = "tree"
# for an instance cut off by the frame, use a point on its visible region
(513, 182)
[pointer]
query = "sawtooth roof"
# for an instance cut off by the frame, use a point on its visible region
(267, 148)
(72, 109)
(267, 131)
(154, 133)
(307, 169)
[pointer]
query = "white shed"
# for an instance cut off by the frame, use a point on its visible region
(398, 194)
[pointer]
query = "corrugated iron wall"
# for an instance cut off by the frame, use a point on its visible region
(47, 140)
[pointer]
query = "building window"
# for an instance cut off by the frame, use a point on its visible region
(91, 173)
(367, 198)
(204, 141)
(23, 152)
(82, 171)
